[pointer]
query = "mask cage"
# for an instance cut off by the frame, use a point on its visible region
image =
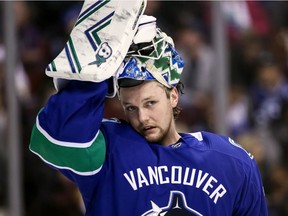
(150, 50)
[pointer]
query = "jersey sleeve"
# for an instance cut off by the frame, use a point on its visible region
(251, 196)
(67, 133)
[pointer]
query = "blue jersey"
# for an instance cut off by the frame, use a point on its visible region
(119, 173)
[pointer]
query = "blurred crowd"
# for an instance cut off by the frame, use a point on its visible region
(257, 112)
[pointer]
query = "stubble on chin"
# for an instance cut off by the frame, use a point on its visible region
(158, 138)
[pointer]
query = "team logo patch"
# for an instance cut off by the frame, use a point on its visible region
(177, 206)
(239, 146)
(103, 53)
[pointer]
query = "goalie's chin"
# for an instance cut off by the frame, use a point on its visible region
(153, 135)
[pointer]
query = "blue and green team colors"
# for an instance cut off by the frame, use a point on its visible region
(81, 158)
(119, 173)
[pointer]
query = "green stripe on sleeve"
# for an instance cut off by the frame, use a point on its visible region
(80, 160)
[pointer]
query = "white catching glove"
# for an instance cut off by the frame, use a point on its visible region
(98, 42)
(146, 31)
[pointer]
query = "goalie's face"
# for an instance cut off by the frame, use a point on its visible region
(149, 109)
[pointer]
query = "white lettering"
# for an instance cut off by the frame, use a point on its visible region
(165, 169)
(131, 180)
(176, 173)
(200, 179)
(141, 178)
(185, 181)
(208, 184)
(218, 192)
(153, 175)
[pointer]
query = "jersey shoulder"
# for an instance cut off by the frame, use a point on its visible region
(222, 145)
(115, 124)
(116, 128)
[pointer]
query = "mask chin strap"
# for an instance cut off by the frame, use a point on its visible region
(115, 81)
(112, 87)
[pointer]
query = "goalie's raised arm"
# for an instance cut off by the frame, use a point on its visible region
(67, 130)
(67, 133)
(96, 47)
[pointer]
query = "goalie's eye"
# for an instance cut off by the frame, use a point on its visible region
(130, 108)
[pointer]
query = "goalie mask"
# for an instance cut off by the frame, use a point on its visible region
(155, 60)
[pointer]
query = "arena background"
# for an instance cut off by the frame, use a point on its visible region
(235, 84)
